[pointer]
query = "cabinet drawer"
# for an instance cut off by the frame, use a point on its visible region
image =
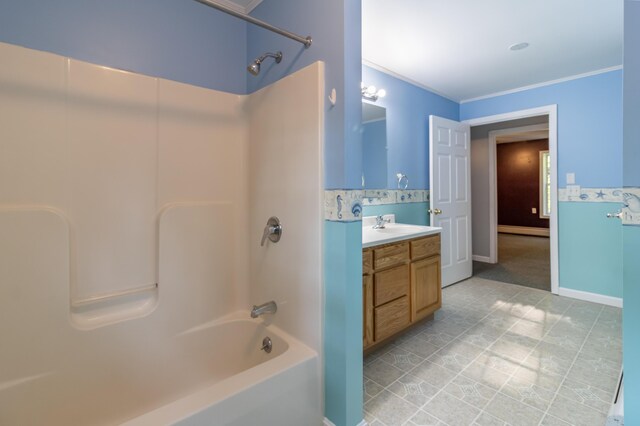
(395, 254)
(390, 318)
(367, 261)
(391, 284)
(425, 247)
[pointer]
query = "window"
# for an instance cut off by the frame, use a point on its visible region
(545, 185)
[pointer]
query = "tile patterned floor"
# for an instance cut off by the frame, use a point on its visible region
(499, 354)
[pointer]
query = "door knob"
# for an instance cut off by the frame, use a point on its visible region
(617, 214)
(435, 211)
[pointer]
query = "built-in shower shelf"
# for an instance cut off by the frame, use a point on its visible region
(98, 311)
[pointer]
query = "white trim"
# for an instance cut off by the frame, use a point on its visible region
(484, 259)
(406, 79)
(328, 422)
(543, 84)
(552, 112)
(542, 184)
(591, 297)
(524, 230)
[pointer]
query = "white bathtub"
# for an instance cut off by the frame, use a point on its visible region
(248, 386)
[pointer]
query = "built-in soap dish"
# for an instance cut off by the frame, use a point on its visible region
(98, 311)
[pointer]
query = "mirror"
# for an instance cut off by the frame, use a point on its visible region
(374, 146)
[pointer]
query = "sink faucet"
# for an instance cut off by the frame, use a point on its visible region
(265, 308)
(380, 221)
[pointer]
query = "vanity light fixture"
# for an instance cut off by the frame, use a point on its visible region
(371, 92)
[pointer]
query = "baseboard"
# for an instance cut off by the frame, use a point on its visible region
(523, 230)
(328, 422)
(485, 259)
(591, 297)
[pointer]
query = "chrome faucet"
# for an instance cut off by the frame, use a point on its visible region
(380, 222)
(265, 308)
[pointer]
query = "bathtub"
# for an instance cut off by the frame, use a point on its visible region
(247, 386)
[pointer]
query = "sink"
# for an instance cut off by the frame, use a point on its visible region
(393, 232)
(399, 228)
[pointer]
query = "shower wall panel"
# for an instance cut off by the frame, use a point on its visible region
(286, 122)
(111, 151)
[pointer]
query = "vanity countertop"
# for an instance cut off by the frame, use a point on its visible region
(393, 232)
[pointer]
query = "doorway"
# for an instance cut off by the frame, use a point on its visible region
(486, 239)
(519, 250)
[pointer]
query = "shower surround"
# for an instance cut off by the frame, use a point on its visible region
(131, 211)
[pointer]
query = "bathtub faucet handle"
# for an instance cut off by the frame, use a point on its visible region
(265, 308)
(273, 230)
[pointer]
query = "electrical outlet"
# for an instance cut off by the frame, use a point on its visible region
(571, 178)
(534, 210)
(573, 190)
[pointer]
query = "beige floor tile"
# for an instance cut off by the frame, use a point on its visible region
(382, 372)
(438, 339)
(514, 346)
(553, 421)
(470, 391)
(486, 419)
(575, 413)
(390, 409)
(514, 412)
(419, 347)
(424, 419)
(451, 410)
(588, 395)
(413, 389)
(402, 359)
(433, 374)
(485, 375)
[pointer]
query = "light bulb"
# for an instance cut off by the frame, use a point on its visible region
(371, 90)
(382, 93)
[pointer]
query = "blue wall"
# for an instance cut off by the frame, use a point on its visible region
(590, 145)
(590, 248)
(589, 124)
(174, 39)
(335, 27)
(412, 213)
(374, 154)
(408, 109)
(631, 332)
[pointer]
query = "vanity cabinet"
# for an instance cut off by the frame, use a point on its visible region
(400, 286)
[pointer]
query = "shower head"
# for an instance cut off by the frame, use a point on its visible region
(254, 67)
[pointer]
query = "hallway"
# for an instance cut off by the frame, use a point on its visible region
(522, 260)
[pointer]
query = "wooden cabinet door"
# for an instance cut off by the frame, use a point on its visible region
(426, 290)
(391, 318)
(367, 310)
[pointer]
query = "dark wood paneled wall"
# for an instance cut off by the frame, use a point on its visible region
(518, 166)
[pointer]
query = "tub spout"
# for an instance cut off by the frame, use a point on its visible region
(265, 308)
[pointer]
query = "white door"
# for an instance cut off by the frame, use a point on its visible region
(449, 154)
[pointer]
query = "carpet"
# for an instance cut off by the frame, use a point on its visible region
(522, 260)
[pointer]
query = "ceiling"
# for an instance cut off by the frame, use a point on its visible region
(530, 135)
(460, 48)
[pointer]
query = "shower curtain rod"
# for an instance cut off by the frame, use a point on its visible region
(304, 40)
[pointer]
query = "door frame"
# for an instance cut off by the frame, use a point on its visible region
(552, 112)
